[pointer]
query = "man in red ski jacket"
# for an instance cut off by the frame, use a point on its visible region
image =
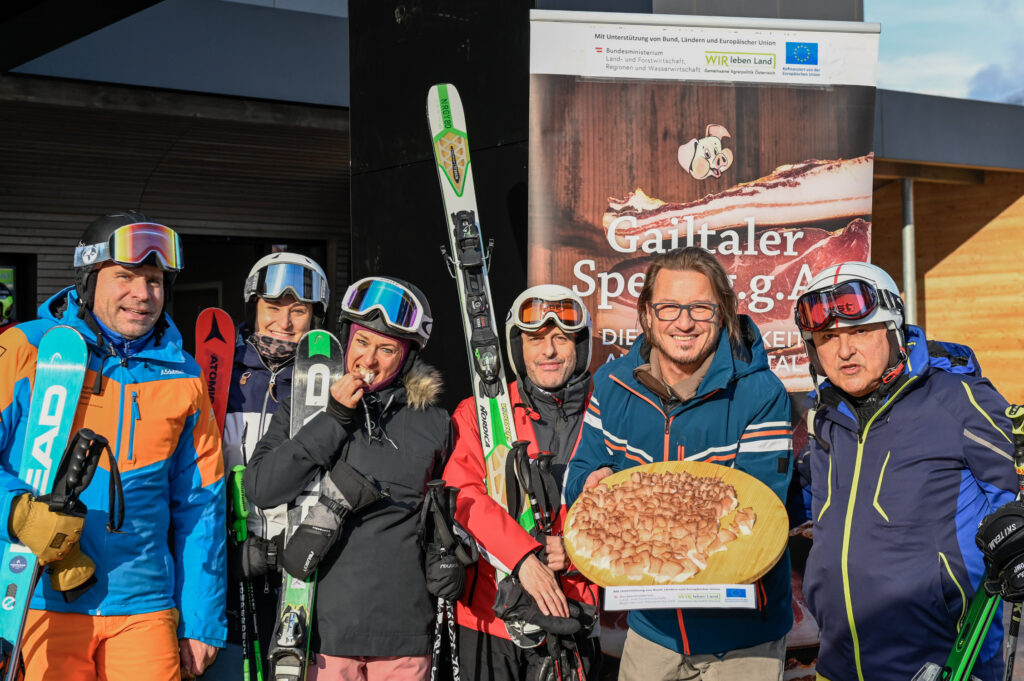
(548, 334)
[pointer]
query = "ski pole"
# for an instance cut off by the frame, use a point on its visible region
(1015, 413)
(239, 513)
(74, 473)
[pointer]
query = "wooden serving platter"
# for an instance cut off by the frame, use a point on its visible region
(746, 559)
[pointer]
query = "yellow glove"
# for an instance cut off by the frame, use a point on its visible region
(47, 534)
(73, 571)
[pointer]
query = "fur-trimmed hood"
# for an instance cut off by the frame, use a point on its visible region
(423, 386)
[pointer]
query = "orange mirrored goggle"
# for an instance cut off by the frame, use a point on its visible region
(135, 244)
(536, 312)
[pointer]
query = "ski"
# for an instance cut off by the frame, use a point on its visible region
(468, 262)
(319, 363)
(60, 373)
(215, 350)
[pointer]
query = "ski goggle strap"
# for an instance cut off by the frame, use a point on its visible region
(133, 244)
(399, 306)
(850, 300)
(305, 284)
(534, 313)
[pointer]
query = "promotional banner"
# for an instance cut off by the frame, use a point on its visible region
(752, 139)
(749, 138)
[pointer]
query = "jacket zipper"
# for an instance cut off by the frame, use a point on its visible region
(848, 523)
(136, 416)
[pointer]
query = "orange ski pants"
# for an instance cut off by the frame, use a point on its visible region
(72, 647)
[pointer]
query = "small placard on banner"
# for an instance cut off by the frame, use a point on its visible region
(679, 596)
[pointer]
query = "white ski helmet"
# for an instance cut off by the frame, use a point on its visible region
(543, 304)
(851, 294)
(278, 274)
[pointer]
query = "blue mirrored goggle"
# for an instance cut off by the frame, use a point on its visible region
(303, 283)
(398, 305)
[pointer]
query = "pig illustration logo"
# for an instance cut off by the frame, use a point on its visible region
(705, 156)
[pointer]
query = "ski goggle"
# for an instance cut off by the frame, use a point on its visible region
(306, 285)
(400, 307)
(133, 244)
(534, 313)
(850, 300)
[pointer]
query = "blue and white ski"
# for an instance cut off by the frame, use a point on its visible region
(60, 372)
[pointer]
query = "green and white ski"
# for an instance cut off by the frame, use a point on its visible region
(468, 263)
(318, 364)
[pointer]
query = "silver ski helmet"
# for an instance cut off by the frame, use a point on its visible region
(544, 304)
(390, 306)
(127, 238)
(278, 274)
(852, 294)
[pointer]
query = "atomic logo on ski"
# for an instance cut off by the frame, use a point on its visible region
(214, 330)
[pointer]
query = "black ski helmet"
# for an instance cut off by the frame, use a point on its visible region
(99, 231)
(375, 319)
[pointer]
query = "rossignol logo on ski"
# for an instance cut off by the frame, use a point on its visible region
(53, 407)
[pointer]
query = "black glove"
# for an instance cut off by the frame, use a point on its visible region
(1001, 538)
(527, 625)
(255, 557)
(344, 491)
(446, 575)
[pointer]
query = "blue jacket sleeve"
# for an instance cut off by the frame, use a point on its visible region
(766, 446)
(198, 528)
(17, 371)
(591, 453)
(987, 440)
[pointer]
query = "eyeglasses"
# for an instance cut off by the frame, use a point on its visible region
(699, 312)
(536, 312)
(398, 304)
(850, 300)
(133, 245)
(305, 284)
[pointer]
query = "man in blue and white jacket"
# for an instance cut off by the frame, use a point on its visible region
(910, 449)
(695, 387)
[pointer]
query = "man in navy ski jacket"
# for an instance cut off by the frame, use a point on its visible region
(695, 387)
(909, 450)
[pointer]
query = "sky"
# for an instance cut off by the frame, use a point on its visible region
(970, 49)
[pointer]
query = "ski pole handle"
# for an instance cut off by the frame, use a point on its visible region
(239, 505)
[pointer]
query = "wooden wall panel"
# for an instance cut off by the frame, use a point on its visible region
(61, 165)
(970, 254)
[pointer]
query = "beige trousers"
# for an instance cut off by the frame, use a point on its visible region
(644, 660)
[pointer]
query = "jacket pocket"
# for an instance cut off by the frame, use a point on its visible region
(953, 594)
(821, 495)
(878, 488)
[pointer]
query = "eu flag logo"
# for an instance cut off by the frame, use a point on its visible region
(802, 53)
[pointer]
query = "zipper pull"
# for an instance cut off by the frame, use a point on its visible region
(136, 413)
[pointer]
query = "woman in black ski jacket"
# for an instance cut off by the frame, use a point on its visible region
(377, 445)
